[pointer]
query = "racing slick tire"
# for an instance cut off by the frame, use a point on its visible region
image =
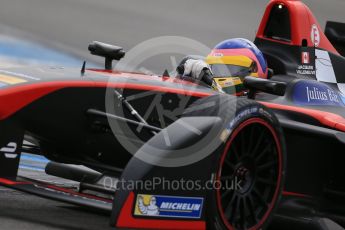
(253, 159)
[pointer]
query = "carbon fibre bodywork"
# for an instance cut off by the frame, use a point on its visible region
(53, 108)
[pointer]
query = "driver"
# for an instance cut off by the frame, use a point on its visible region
(226, 66)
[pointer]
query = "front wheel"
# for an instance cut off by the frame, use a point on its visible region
(251, 167)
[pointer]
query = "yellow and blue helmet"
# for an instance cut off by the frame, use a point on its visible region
(234, 59)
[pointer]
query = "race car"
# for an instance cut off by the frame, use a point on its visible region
(163, 153)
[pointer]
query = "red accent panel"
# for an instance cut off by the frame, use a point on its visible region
(301, 20)
(126, 220)
(328, 119)
(285, 193)
(15, 98)
(114, 73)
(153, 88)
(11, 182)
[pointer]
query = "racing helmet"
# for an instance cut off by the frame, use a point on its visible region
(232, 60)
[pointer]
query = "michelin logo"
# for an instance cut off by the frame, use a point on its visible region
(168, 206)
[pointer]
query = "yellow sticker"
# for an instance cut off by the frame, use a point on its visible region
(11, 80)
(224, 135)
(227, 81)
(145, 201)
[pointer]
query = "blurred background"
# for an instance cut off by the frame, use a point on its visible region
(69, 25)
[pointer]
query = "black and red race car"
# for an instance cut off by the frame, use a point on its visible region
(163, 153)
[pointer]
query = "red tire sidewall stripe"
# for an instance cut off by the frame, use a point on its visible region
(280, 159)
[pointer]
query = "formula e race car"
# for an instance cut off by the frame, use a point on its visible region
(163, 153)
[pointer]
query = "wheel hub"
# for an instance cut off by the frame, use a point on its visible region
(245, 178)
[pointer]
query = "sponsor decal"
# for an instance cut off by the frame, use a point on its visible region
(239, 116)
(168, 206)
(218, 54)
(310, 93)
(224, 135)
(10, 79)
(10, 150)
(315, 35)
(306, 70)
(306, 67)
(245, 113)
(227, 81)
(305, 58)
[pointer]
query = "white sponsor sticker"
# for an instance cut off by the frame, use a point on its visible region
(10, 150)
(324, 67)
(315, 35)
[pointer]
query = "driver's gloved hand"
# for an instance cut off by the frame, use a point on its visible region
(198, 70)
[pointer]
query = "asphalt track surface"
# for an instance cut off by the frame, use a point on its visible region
(22, 211)
(69, 25)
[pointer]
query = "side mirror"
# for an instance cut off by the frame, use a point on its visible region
(268, 86)
(109, 52)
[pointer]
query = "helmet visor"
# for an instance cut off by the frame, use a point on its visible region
(222, 70)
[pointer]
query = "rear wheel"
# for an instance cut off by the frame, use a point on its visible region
(251, 167)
